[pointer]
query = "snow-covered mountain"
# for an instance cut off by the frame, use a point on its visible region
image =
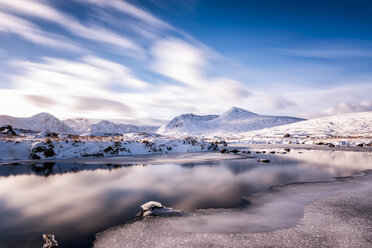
(80, 125)
(39, 122)
(232, 122)
(353, 124)
(107, 127)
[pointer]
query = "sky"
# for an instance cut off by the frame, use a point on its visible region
(122, 59)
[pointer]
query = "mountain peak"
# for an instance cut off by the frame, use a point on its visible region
(43, 115)
(238, 112)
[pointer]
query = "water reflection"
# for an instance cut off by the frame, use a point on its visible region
(76, 200)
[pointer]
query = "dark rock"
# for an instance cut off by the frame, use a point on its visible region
(49, 153)
(287, 149)
(51, 134)
(223, 150)
(234, 151)
(39, 149)
(7, 130)
(263, 161)
(272, 152)
(287, 135)
(331, 145)
(49, 240)
(35, 156)
(360, 145)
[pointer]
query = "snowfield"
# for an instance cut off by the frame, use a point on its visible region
(342, 130)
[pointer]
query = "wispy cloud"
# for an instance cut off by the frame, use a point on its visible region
(348, 107)
(101, 104)
(187, 64)
(40, 101)
(132, 10)
(328, 52)
(41, 9)
(29, 31)
(75, 84)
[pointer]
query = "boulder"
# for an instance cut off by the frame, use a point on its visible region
(49, 240)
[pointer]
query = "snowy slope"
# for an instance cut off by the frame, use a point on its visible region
(107, 127)
(353, 125)
(39, 122)
(232, 122)
(95, 127)
(80, 125)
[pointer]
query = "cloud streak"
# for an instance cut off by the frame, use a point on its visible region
(44, 11)
(29, 31)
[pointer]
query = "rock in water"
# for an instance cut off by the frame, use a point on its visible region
(49, 240)
(153, 208)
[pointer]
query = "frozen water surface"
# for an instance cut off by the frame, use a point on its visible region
(75, 199)
(334, 214)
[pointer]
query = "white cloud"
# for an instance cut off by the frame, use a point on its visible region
(30, 32)
(187, 64)
(55, 84)
(44, 11)
(347, 107)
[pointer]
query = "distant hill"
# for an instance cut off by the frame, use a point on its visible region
(39, 122)
(352, 124)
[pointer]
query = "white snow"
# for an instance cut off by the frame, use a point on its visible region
(151, 204)
(346, 129)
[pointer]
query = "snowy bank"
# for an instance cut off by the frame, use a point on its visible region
(353, 129)
(43, 145)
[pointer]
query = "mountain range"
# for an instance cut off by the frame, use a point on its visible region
(233, 121)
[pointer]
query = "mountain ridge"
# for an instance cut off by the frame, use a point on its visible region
(234, 120)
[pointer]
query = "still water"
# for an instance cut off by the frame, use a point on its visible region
(76, 200)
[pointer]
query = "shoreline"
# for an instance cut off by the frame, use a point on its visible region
(300, 146)
(139, 158)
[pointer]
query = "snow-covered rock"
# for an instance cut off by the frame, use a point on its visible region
(153, 208)
(232, 122)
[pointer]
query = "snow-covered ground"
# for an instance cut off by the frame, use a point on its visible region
(343, 130)
(42, 145)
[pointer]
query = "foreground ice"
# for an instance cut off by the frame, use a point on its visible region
(321, 214)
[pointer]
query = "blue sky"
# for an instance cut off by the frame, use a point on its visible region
(114, 59)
